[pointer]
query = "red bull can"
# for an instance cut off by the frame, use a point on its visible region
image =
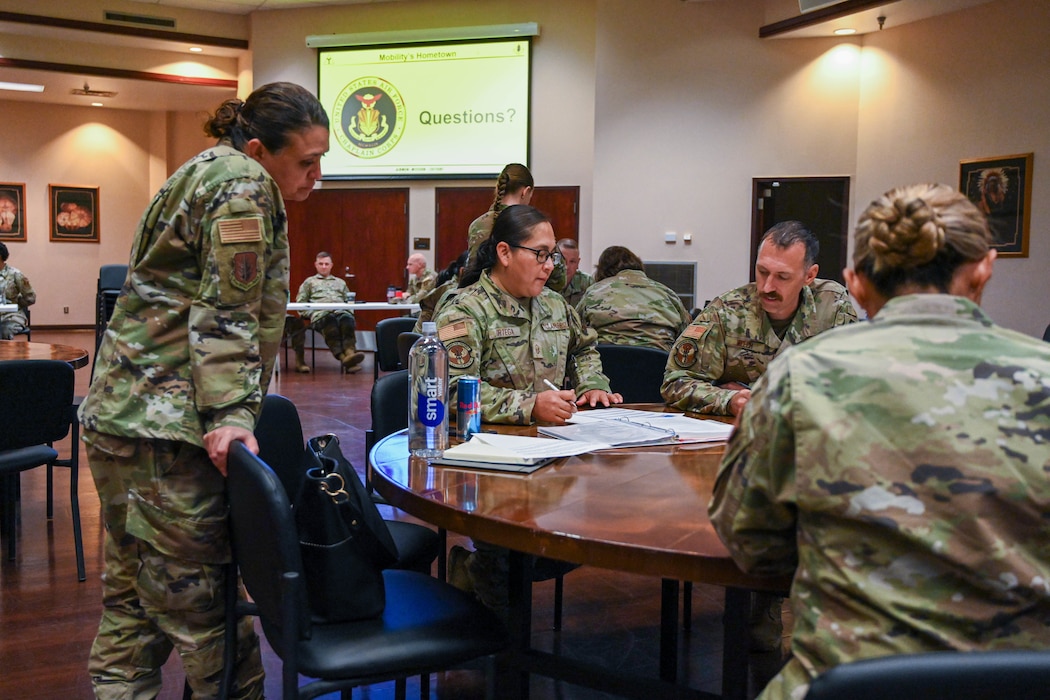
(468, 409)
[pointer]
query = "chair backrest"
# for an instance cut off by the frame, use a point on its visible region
(1046, 334)
(405, 341)
(636, 372)
(36, 397)
(110, 281)
(949, 675)
(387, 331)
(389, 404)
(265, 543)
(281, 443)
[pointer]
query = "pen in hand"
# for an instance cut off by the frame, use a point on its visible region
(550, 384)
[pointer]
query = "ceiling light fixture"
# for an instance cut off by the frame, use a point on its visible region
(96, 104)
(21, 87)
(845, 31)
(196, 49)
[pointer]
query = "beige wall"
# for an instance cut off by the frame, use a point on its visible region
(662, 112)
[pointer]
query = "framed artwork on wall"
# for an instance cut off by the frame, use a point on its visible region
(12, 211)
(74, 213)
(1001, 187)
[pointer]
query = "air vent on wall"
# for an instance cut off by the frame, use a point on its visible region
(680, 277)
(140, 20)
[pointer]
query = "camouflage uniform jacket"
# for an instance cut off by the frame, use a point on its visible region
(192, 340)
(481, 228)
(419, 287)
(433, 300)
(732, 341)
(15, 289)
(631, 309)
(330, 289)
(898, 467)
(513, 348)
(574, 290)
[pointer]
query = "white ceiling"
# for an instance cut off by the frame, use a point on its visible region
(156, 96)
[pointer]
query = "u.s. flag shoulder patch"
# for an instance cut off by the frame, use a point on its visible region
(454, 330)
(245, 229)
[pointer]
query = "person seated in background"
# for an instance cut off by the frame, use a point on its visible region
(446, 285)
(420, 279)
(513, 186)
(507, 328)
(14, 289)
(897, 467)
(337, 327)
(729, 344)
(625, 307)
(576, 282)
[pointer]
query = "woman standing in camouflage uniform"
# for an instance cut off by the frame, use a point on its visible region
(507, 328)
(180, 375)
(898, 467)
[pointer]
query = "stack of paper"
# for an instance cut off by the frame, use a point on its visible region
(512, 452)
(626, 427)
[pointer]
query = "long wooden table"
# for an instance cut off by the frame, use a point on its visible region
(25, 350)
(639, 510)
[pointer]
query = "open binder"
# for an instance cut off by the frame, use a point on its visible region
(623, 427)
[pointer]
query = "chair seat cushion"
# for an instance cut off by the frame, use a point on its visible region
(427, 625)
(417, 545)
(26, 458)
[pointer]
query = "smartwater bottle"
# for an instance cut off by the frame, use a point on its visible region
(428, 395)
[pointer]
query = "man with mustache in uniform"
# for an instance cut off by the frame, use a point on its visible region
(728, 346)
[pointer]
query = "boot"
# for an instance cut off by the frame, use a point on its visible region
(300, 363)
(351, 360)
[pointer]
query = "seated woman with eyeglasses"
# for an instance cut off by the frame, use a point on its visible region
(510, 331)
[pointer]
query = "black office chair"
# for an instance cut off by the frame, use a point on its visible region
(405, 341)
(634, 371)
(111, 280)
(387, 331)
(1046, 334)
(427, 626)
(948, 675)
(280, 435)
(36, 399)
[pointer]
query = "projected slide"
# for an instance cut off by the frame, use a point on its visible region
(426, 111)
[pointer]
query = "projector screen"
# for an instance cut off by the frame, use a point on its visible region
(437, 110)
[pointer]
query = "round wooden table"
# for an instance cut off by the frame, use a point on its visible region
(24, 350)
(642, 510)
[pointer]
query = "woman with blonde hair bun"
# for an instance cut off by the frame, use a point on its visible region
(897, 467)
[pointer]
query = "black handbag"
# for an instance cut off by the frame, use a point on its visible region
(344, 541)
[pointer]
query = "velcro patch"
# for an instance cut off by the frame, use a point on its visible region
(555, 325)
(459, 355)
(694, 330)
(245, 273)
(246, 229)
(505, 332)
(685, 353)
(454, 330)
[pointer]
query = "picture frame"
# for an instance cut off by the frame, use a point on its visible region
(13, 211)
(1001, 187)
(74, 213)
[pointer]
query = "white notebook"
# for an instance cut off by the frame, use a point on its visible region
(626, 427)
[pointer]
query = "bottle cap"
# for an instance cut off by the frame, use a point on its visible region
(429, 328)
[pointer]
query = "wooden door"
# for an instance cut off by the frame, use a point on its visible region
(456, 207)
(365, 230)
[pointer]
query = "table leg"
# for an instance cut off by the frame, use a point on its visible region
(669, 630)
(735, 644)
(519, 623)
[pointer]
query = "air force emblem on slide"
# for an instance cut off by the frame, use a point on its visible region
(369, 116)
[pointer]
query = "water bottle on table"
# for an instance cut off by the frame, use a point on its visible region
(428, 395)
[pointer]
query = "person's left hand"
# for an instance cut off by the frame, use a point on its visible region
(217, 443)
(597, 396)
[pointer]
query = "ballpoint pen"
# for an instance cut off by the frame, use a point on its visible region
(550, 384)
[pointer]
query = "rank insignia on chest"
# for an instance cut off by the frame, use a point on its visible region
(245, 269)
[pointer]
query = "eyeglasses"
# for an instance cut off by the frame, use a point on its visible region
(542, 256)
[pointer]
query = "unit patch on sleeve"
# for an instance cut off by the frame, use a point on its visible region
(685, 353)
(459, 355)
(245, 273)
